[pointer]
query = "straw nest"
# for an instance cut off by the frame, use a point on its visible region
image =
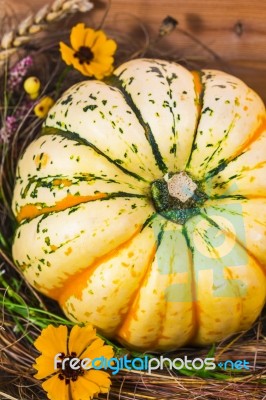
(23, 311)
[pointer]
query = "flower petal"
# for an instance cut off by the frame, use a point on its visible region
(56, 388)
(107, 48)
(99, 40)
(90, 38)
(68, 57)
(100, 378)
(93, 71)
(67, 53)
(82, 68)
(80, 338)
(77, 36)
(110, 47)
(83, 389)
(102, 62)
(44, 366)
(52, 340)
(98, 349)
(100, 70)
(89, 70)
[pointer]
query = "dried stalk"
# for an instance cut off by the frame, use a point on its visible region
(33, 24)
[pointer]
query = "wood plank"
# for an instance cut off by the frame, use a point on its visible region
(235, 31)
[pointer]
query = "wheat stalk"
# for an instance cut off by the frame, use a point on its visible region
(13, 40)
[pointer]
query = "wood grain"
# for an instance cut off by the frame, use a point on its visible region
(234, 31)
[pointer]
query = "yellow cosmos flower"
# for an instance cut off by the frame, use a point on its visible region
(42, 108)
(62, 359)
(91, 53)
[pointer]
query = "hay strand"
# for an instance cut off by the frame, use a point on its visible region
(33, 24)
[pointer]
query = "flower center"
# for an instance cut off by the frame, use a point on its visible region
(84, 54)
(68, 369)
(177, 197)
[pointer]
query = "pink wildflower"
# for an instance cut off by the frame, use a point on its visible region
(18, 72)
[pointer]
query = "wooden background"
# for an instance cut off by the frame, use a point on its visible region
(234, 30)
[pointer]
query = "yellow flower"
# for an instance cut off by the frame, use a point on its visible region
(62, 359)
(42, 108)
(91, 53)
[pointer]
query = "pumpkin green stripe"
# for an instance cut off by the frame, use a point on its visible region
(75, 137)
(75, 207)
(222, 163)
(149, 220)
(228, 196)
(169, 81)
(117, 83)
(123, 194)
(47, 181)
(218, 147)
(200, 99)
(220, 167)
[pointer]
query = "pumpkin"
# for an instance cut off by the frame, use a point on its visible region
(141, 207)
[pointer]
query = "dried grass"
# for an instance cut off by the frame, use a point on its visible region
(33, 24)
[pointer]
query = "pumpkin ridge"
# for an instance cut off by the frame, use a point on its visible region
(114, 81)
(193, 303)
(80, 279)
(124, 326)
(123, 329)
(75, 137)
(31, 211)
(228, 270)
(195, 306)
(59, 187)
(254, 136)
(228, 196)
(124, 336)
(220, 143)
(175, 135)
(199, 100)
(251, 255)
(252, 196)
(230, 235)
(54, 181)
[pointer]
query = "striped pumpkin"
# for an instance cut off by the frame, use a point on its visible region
(141, 207)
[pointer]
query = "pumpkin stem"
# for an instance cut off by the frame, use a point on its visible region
(180, 186)
(177, 197)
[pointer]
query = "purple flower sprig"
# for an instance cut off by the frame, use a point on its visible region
(12, 122)
(8, 128)
(18, 72)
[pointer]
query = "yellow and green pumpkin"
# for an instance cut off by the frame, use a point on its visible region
(141, 207)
